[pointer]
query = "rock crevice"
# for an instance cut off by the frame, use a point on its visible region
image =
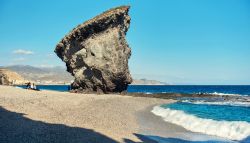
(96, 53)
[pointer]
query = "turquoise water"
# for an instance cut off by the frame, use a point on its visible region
(216, 109)
(229, 119)
(209, 89)
(226, 118)
(215, 112)
(150, 89)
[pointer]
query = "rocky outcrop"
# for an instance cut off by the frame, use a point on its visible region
(8, 77)
(96, 53)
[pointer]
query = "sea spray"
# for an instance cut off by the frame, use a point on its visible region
(234, 130)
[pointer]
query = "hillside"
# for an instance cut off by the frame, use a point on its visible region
(8, 77)
(59, 75)
(54, 75)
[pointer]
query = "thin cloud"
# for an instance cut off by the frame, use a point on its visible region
(23, 52)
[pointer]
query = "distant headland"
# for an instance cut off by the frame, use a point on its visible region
(57, 75)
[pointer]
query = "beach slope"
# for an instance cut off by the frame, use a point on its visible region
(49, 116)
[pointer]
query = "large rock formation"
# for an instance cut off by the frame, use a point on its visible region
(8, 77)
(96, 53)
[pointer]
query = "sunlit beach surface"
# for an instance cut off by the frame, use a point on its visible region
(51, 116)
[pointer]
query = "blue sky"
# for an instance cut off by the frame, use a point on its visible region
(177, 41)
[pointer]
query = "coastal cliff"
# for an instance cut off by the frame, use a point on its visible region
(8, 77)
(96, 53)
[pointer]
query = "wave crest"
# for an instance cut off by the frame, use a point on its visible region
(225, 94)
(234, 130)
(229, 103)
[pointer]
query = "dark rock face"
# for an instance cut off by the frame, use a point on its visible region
(96, 53)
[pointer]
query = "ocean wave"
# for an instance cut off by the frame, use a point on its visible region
(234, 130)
(225, 94)
(229, 103)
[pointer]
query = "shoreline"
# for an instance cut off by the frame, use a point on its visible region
(138, 94)
(165, 95)
(50, 116)
(153, 128)
(109, 117)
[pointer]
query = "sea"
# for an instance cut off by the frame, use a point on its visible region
(227, 118)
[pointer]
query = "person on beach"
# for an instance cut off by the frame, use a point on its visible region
(34, 86)
(31, 85)
(28, 85)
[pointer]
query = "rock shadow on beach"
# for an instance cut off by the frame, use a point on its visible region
(15, 128)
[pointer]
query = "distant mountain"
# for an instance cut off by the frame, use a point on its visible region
(43, 75)
(26, 69)
(59, 75)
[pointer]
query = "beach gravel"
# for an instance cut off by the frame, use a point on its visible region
(50, 116)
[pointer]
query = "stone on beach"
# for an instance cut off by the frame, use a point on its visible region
(96, 53)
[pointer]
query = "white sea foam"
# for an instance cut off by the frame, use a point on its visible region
(226, 94)
(230, 103)
(234, 130)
